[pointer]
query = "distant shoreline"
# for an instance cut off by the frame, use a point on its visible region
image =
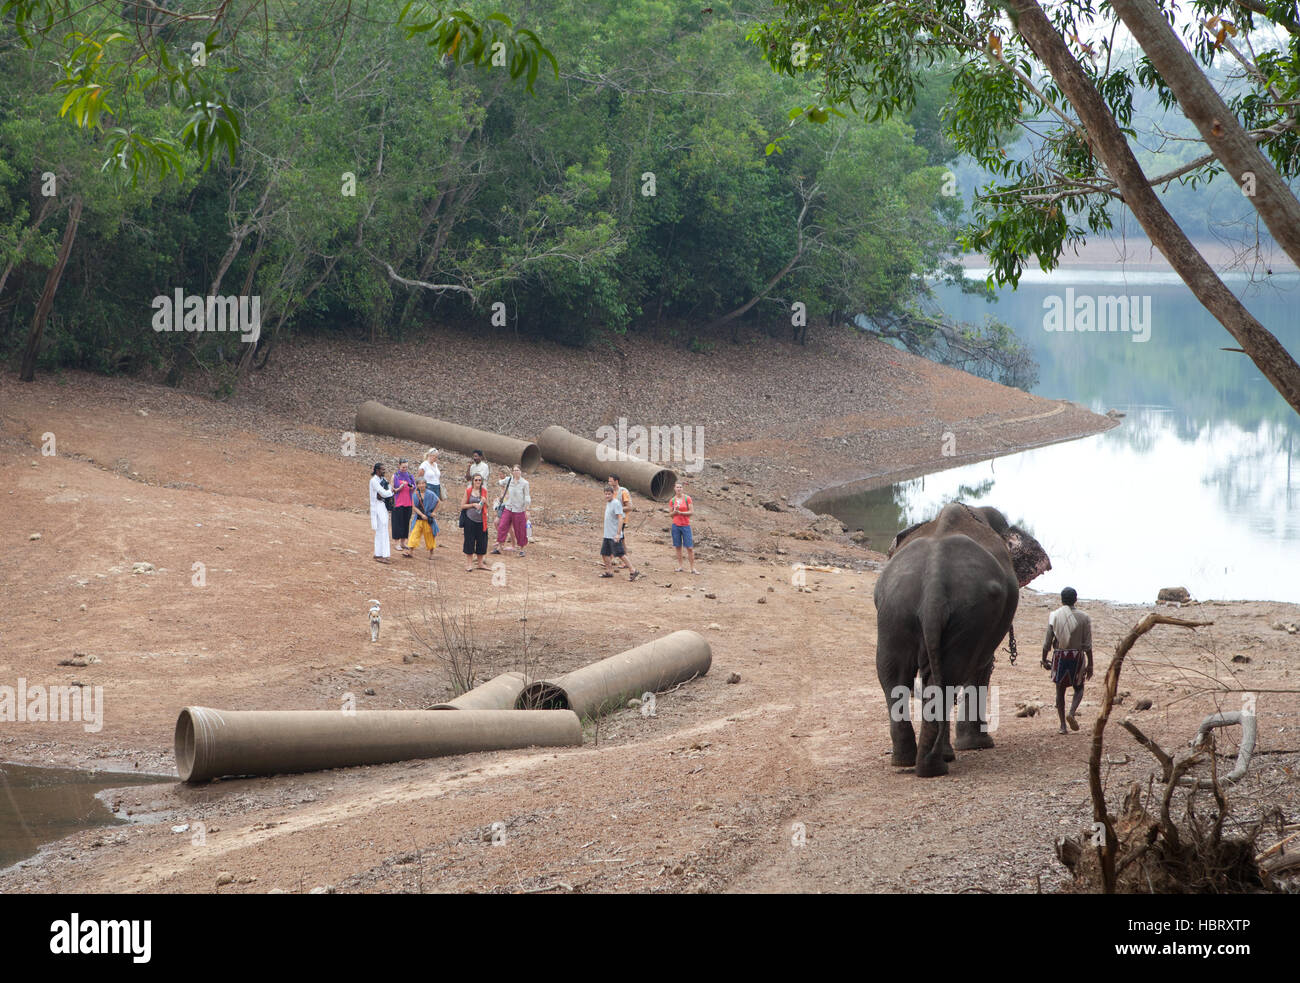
(1140, 256)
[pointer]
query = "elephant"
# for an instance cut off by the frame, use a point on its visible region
(944, 602)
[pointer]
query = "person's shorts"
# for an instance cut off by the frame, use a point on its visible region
(611, 547)
(1069, 666)
(682, 537)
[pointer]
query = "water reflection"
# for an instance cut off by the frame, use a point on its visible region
(1182, 365)
(1161, 501)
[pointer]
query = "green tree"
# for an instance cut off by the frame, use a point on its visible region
(1052, 74)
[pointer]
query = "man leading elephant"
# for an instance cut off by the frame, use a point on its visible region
(1069, 640)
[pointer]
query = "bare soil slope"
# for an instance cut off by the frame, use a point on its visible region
(710, 793)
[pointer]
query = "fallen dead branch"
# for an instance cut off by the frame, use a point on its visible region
(1100, 816)
(1149, 846)
(1166, 762)
(1249, 731)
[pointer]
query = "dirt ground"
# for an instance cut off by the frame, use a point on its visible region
(778, 782)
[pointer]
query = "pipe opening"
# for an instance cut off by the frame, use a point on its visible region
(184, 744)
(661, 485)
(543, 696)
(530, 458)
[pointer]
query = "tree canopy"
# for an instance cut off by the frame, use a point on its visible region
(373, 185)
(1056, 73)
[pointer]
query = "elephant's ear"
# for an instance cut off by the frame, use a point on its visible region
(996, 520)
(898, 540)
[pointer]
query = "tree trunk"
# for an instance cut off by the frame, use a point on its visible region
(1109, 144)
(46, 208)
(762, 292)
(28, 371)
(800, 247)
(1218, 125)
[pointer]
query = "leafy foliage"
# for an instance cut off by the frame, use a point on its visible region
(374, 175)
(1047, 191)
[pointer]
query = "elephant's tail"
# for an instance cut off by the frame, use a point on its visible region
(933, 616)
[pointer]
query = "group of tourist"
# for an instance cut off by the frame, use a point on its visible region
(402, 513)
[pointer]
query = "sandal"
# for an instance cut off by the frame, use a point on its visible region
(497, 551)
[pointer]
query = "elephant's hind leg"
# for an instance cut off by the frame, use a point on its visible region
(973, 714)
(930, 761)
(898, 698)
(971, 738)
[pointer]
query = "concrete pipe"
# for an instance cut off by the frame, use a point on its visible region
(375, 417)
(212, 743)
(498, 693)
(610, 683)
(600, 461)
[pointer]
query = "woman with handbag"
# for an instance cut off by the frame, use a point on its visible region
(473, 519)
(512, 509)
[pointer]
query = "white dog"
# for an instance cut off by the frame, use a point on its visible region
(374, 620)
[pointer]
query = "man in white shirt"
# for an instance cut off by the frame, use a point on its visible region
(1069, 639)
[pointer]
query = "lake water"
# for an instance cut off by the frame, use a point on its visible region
(1198, 487)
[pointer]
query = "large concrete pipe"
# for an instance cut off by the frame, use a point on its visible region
(375, 417)
(610, 683)
(212, 743)
(600, 461)
(498, 693)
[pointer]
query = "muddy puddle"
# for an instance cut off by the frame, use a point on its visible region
(40, 805)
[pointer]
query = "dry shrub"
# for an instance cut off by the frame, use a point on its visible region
(1159, 855)
(1147, 848)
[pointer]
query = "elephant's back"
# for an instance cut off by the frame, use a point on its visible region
(971, 581)
(904, 574)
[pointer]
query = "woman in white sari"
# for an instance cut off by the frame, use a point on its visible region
(379, 514)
